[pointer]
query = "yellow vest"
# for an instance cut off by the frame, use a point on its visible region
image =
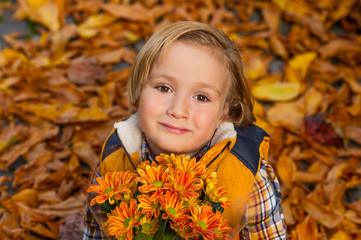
(236, 161)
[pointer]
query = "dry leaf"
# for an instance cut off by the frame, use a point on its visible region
(278, 91)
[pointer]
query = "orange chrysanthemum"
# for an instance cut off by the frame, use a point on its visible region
(204, 221)
(149, 225)
(182, 162)
(122, 219)
(112, 186)
(148, 207)
(223, 230)
(171, 161)
(153, 179)
(174, 209)
(185, 184)
(217, 195)
(187, 232)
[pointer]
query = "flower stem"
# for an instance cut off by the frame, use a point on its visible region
(165, 224)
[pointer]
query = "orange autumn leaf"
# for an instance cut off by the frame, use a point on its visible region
(286, 168)
(308, 229)
(135, 12)
(330, 218)
(289, 115)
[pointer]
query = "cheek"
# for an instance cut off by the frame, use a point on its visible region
(149, 106)
(207, 118)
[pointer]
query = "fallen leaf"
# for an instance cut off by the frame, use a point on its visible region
(85, 71)
(278, 91)
(45, 12)
(134, 12)
(286, 168)
(330, 218)
(288, 115)
(301, 63)
(339, 46)
(308, 229)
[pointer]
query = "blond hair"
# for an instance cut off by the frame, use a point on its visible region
(239, 97)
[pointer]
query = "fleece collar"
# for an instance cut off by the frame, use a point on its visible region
(130, 133)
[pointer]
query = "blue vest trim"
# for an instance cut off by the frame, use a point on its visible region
(111, 145)
(246, 148)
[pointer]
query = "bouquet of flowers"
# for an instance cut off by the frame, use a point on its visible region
(173, 198)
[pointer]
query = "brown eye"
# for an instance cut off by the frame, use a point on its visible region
(164, 89)
(201, 98)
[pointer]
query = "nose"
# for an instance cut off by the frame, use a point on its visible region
(178, 107)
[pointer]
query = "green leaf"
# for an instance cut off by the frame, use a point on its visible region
(32, 27)
(217, 207)
(143, 236)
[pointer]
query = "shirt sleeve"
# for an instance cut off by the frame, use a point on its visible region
(265, 212)
(91, 228)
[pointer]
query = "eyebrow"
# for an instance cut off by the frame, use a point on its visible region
(200, 84)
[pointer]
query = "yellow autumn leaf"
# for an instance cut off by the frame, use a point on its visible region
(43, 12)
(27, 196)
(91, 114)
(301, 62)
(295, 6)
(37, 3)
(340, 235)
(53, 112)
(278, 91)
(8, 55)
(92, 24)
(343, 9)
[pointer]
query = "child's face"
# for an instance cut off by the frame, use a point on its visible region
(182, 103)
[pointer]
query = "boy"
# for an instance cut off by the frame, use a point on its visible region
(189, 96)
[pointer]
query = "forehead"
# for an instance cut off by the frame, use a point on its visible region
(198, 63)
(213, 50)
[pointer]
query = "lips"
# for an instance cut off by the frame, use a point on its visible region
(174, 129)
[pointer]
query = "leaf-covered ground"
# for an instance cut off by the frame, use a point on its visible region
(63, 81)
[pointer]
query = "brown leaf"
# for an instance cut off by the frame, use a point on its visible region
(86, 153)
(84, 71)
(339, 46)
(315, 128)
(353, 133)
(134, 12)
(71, 228)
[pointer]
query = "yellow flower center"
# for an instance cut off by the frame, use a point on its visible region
(172, 211)
(158, 184)
(202, 224)
(146, 227)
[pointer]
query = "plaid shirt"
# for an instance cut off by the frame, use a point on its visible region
(265, 213)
